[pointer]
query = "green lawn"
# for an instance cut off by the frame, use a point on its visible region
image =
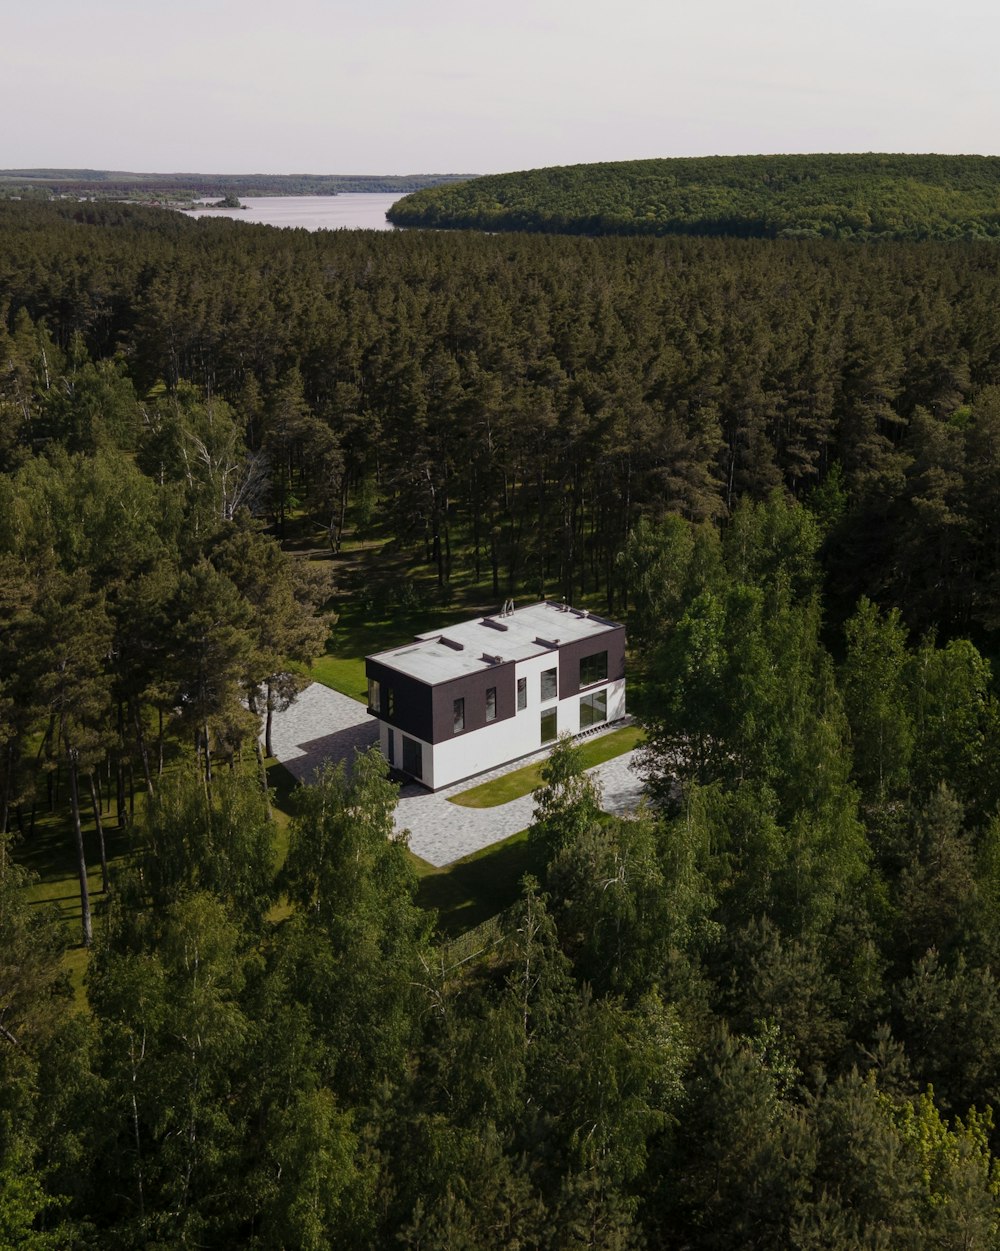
(345, 674)
(520, 782)
(474, 889)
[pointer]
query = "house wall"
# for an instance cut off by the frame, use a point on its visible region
(472, 687)
(425, 713)
(570, 655)
(414, 709)
(462, 755)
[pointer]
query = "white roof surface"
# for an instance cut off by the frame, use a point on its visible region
(471, 646)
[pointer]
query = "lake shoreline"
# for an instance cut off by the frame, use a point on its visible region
(346, 210)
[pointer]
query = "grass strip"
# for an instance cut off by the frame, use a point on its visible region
(523, 781)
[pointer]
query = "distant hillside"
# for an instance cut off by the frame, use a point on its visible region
(120, 185)
(870, 196)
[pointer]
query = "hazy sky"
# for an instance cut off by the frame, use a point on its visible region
(396, 86)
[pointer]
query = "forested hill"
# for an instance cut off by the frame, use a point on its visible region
(870, 196)
(108, 184)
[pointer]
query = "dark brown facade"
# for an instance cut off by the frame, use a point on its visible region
(472, 687)
(411, 701)
(570, 655)
(427, 712)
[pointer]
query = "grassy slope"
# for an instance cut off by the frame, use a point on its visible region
(474, 889)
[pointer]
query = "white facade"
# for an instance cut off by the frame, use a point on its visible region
(523, 645)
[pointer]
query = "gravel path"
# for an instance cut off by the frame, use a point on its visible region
(325, 725)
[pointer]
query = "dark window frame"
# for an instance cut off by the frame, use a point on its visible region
(549, 715)
(522, 694)
(458, 715)
(412, 753)
(549, 679)
(589, 706)
(594, 668)
(491, 704)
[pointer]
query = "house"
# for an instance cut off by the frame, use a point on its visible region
(460, 701)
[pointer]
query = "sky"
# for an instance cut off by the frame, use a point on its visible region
(466, 86)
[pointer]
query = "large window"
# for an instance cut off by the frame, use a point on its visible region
(593, 708)
(373, 695)
(593, 668)
(550, 684)
(491, 704)
(550, 725)
(458, 716)
(522, 694)
(413, 757)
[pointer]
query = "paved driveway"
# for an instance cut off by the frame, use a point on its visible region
(325, 725)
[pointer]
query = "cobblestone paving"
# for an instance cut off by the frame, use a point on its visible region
(321, 725)
(325, 725)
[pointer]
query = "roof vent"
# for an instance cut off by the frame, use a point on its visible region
(493, 623)
(455, 646)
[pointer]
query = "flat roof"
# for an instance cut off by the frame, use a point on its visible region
(484, 642)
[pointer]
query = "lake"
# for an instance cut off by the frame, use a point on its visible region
(354, 210)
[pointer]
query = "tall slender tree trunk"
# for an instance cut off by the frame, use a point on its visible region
(99, 826)
(81, 858)
(120, 793)
(8, 781)
(269, 714)
(259, 750)
(140, 739)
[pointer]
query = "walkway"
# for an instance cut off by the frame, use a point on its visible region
(325, 725)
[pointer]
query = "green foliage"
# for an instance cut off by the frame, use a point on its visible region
(662, 1050)
(871, 196)
(568, 800)
(219, 841)
(355, 947)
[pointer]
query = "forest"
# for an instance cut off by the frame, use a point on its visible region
(764, 1013)
(861, 197)
(103, 184)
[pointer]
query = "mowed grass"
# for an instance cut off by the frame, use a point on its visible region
(472, 890)
(521, 782)
(345, 674)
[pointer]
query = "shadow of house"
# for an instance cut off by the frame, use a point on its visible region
(341, 745)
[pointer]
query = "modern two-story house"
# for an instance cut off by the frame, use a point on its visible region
(476, 695)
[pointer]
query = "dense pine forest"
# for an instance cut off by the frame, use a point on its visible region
(763, 1014)
(861, 197)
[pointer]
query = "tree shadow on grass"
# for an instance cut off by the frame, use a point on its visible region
(477, 888)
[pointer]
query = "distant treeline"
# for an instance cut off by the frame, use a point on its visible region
(119, 185)
(869, 196)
